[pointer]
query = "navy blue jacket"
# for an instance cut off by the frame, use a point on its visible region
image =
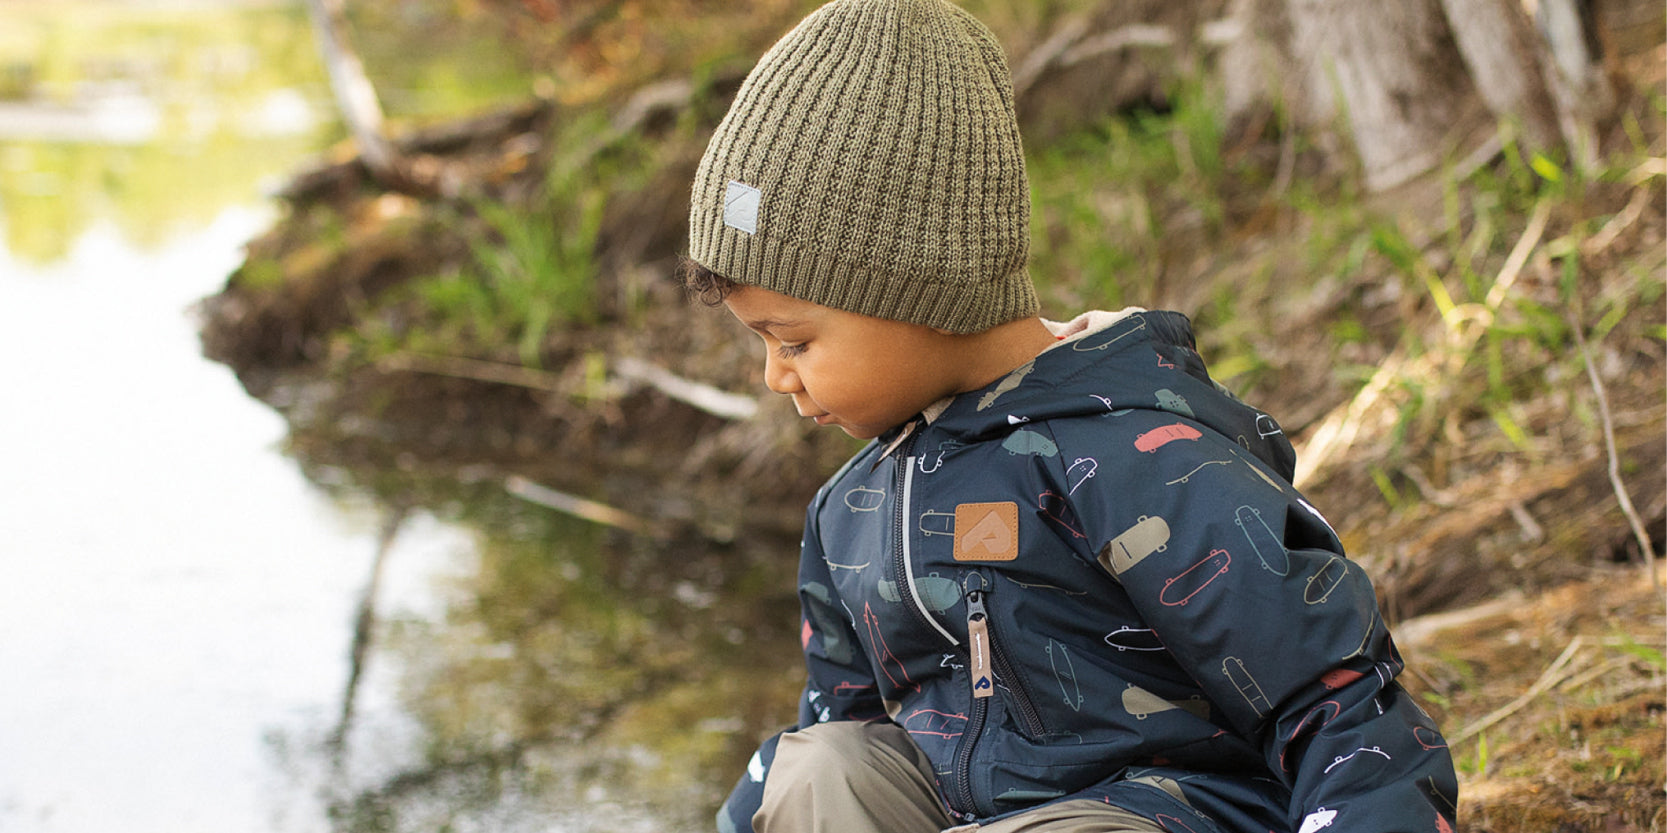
(1093, 579)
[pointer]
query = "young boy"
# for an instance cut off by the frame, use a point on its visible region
(1068, 586)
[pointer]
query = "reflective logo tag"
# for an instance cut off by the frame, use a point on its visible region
(741, 202)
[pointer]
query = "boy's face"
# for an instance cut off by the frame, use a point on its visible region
(862, 374)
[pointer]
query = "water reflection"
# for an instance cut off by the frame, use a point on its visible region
(175, 590)
(581, 678)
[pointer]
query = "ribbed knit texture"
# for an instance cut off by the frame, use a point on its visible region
(882, 139)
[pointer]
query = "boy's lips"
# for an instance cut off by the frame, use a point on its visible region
(822, 418)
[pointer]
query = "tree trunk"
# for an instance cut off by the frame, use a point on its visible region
(1501, 50)
(1574, 70)
(355, 96)
(1394, 72)
(1413, 80)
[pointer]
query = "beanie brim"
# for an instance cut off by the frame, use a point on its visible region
(956, 303)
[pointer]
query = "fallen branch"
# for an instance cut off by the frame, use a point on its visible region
(697, 394)
(1574, 683)
(1554, 674)
(355, 95)
(476, 370)
(1621, 494)
(1071, 45)
(703, 396)
(1413, 632)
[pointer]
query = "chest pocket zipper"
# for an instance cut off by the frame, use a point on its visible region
(988, 654)
(987, 662)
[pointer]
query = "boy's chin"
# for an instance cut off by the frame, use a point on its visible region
(857, 432)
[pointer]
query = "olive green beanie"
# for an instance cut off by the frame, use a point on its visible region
(871, 162)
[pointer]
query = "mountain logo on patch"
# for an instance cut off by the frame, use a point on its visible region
(987, 531)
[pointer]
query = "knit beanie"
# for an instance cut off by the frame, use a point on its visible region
(871, 162)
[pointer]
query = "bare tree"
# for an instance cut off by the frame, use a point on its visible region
(355, 95)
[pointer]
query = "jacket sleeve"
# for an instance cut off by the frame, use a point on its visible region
(1248, 588)
(839, 683)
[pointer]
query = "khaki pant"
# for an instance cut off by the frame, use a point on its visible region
(870, 778)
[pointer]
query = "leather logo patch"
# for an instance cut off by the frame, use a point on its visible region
(987, 531)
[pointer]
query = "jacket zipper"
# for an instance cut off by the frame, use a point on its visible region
(903, 484)
(987, 661)
(1005, 670)
(987, 653)
(983, 685)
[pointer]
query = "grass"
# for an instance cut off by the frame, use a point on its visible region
(529, 270)
(1123, 209)
(1115, 204)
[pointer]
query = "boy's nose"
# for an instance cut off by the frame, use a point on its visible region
(777, 376)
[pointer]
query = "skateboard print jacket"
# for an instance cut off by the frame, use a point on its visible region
(1093, 579)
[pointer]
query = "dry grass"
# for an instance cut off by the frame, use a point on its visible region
(1553, 705)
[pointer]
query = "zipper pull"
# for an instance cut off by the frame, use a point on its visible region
(978, 645)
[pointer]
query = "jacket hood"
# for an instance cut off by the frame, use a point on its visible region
(1111, 362)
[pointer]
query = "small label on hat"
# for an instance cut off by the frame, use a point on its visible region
(741, 203)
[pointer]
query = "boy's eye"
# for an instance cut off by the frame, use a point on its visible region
(788, 351)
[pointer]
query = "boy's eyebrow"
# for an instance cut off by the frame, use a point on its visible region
(768, 323)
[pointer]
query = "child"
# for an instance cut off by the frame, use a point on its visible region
(1068, 586)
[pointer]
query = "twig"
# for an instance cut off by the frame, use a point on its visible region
(1337, 431)
(1621, 495)
(1444, 498)
(578, 507)
(1071, 44)
(1553, 674)
(1482, 155)
(1651, 167)
(1617, 224)
(1579, 680)
(700, 395)
(1519, 255)
(474, 369)
(1532, 532)
(1413, 632)
(658, 97)
(1045, 54)
(1135, 34)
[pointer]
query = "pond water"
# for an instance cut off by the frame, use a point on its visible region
(178, 617)
(178, 599)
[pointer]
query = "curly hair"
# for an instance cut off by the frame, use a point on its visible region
(707, 286)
